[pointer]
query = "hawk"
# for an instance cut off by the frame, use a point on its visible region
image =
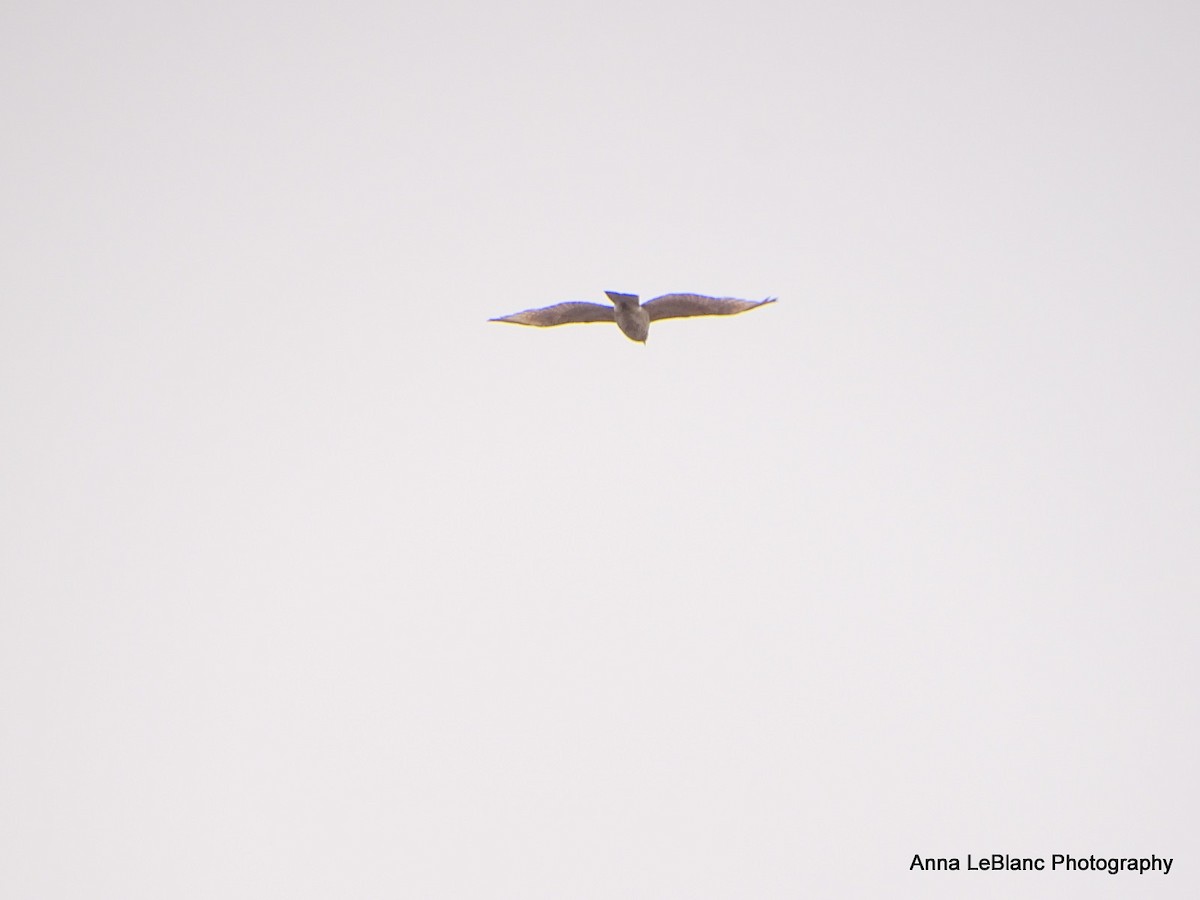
(632, 317)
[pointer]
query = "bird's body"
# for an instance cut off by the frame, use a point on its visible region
(631, 316)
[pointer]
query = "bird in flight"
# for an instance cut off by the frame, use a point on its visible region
(632, 317)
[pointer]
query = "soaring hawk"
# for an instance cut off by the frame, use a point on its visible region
(632, 317)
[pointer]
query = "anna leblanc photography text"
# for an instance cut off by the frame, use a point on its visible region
(1113, 865)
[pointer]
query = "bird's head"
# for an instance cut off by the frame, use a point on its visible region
(620, 299)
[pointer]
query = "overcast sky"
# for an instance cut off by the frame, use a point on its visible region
(314, 583)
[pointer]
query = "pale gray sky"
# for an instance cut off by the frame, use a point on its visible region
(313, 583)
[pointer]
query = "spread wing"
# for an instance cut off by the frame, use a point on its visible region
(561, 314)
(678, 306)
